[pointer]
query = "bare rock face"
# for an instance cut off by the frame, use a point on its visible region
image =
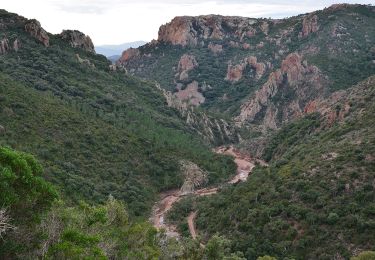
(186, 63)
(78, 39)
(295, 79)
(215, 48)
(4, 46)
(265, 27)
(86, 62)
(335, 107)
(190, 96)
(16, 45)
(246, 46)
(129, 55)
(235, 72)
(194, 177)
(188, 30)
(211, 129)
(259, 67)
(309, 25)
(34, 28)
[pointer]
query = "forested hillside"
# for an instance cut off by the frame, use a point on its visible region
(316, 198)
(226, 138)
(96, 131)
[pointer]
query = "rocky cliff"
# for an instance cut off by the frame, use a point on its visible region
(191, 31)
(34, 28)
(260, 73)
(78, 39)
(283, 97)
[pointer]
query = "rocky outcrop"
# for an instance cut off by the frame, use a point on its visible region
(78, 39)
(16, 45)
(333, 108)
(265, 27)
(34, 28)
(215, 48)
(194, 177)
(283, 96)
(259, 67)
(4, 46)
(309, 25)
(213, 130)
(235, 72)
(186, 63)
(190, 96)
(129, 55)
(86, 62)
(189, 31)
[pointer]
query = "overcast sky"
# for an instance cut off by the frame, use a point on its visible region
(119, 21)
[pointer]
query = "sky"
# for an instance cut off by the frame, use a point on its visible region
(120, 21)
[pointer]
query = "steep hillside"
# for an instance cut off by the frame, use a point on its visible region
(259, 72)
(96, 131)
(316, 198)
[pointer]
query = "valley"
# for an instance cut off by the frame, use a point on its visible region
(244, 164)
(226, 137)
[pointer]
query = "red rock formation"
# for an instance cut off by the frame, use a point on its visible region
(190, 95)
(294, 75)
(215, 48)
(309, 25)
(187, 30)
(246, 46)
(78, 39)
(259, 68)
(128, 55)
(311, 107)
(186, 64)
(34, 28)
(235, 72)
(293, 67)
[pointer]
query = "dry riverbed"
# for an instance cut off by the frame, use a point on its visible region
(244, 163)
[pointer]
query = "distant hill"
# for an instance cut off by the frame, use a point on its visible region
(112, 50)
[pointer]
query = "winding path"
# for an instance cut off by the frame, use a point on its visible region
(245, 164)
(191, 224)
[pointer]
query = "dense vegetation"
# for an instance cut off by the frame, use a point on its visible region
(109, 144)
(35, 224)
(95, 131)
(314, 201)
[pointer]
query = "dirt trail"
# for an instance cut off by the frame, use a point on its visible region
(191, 224)
(245, 164)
